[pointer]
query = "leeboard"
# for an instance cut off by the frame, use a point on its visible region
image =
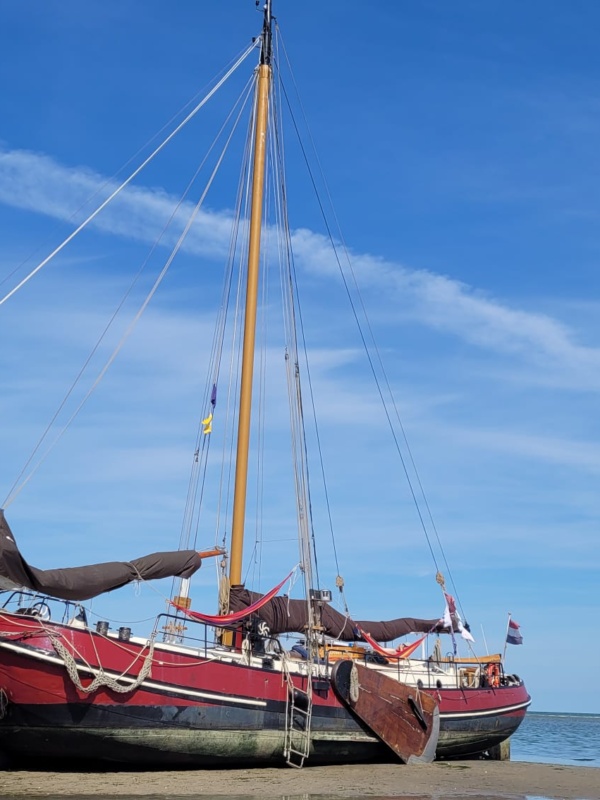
(404, 718)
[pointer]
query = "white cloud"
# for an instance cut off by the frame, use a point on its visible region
(451, 306)
(162, 374)
(546, 449)
(37, 183)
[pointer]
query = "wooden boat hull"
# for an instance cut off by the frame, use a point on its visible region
(194, 709)
(404, 718)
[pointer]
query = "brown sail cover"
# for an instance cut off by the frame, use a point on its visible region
(81, 583)
(286, 616)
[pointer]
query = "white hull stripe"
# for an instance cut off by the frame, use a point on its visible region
(489, 713)
(147, 684)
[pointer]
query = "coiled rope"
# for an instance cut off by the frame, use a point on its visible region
(102, 679)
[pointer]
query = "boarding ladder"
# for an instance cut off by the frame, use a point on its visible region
(298, 718)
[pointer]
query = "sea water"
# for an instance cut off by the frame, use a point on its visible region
(551, 738)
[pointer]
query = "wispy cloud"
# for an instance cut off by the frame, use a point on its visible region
(548, 449)
(36, 182)
(448, 305)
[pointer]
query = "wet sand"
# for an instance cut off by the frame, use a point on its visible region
(473, 779)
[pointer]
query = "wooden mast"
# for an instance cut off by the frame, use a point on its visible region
(258, 179)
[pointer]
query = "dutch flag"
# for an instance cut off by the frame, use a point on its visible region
(513, 635)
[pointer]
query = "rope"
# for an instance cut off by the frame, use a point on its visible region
(294, 389)
(16, 490)
(112, 179)
(202, 441)
(102, 679)
(10, 497)
(133, 175)
(372, 351)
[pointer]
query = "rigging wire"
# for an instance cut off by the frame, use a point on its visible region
(109, 181)
(128, 180)
(361, 334)
(256, 556)
(225, 496)
(202, 442)
(294, 291)
(289, 290)
(238, 247)
(198, 471)
(308, 553)
(12, 493)
(370, 332)
(129, 330)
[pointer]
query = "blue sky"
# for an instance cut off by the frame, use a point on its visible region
(459, 142)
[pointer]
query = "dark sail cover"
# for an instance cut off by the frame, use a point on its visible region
(286, 616)
(81, 583)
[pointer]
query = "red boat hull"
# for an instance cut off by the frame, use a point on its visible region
(194, 708)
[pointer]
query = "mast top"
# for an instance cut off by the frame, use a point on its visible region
(267, 35)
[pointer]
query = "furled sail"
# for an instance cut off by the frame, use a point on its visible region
(283, 615)
(81, 583)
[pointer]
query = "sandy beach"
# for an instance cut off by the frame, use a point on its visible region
(489, 779)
